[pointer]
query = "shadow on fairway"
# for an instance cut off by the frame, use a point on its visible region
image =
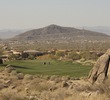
(20, 67)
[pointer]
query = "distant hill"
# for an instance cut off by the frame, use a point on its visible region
(7, 33)
(54, 36)
(59, 33)
(102, 29)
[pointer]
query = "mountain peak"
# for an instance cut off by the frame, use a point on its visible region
(53, 26)
(60, 34)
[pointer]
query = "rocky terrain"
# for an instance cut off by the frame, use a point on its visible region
(17, 86)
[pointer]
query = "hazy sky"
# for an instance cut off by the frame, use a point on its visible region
(38, 13)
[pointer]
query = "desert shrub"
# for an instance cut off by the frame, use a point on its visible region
(36, 76)
(1, 52)
(25, 55)
(59, 94)
(13, 73)
(60, 53)
(38, 85)
(32, 57)
(101, 88)
(46, 77)
(9, 69)
(89, 56)
(74, 56)
(28, 77)
(65, 78)
(12, 96)
(54, 57)
(78, 96)
(42, 87)
(15, 57)
(46, 56)
(54, 77)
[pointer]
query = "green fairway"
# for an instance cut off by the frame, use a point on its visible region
(54, 68)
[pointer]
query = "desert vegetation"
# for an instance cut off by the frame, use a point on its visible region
(60, 75)
(57, 68)
(18, 86)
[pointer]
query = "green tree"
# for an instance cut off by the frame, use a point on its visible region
(32, 57)
(15, 57)
(60, 53)
(89, 56)
(74, 56)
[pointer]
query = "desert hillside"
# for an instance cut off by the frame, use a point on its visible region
(59, 33)
(54, 36)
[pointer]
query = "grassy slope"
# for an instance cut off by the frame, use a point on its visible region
(54, 68)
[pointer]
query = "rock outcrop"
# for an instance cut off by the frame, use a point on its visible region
(101, 69)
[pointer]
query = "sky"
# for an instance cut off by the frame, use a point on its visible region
(24, 14)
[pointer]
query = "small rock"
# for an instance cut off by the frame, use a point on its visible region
(28, 77)
(20, 75)
(13, 86)
(13, 73)
(8, 81)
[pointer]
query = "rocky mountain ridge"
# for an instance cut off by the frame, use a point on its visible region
(59, 33)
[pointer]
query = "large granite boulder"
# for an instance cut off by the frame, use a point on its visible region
(101, 69)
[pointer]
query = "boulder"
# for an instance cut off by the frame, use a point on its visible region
(101, 69)
(20, 75)
(9, 69)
